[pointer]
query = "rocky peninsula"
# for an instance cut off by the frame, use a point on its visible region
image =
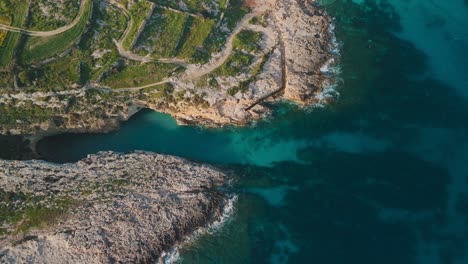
(107, 208)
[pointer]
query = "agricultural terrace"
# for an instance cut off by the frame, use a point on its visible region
(40, 48)
(51, 14)
(62, 45)
(14, 13)
(138, 11)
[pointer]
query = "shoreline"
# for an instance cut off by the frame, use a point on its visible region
(173, 255)
(98, 210)
(227, 111)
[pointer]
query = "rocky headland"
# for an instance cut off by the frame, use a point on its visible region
(291, 64)
(107, 208)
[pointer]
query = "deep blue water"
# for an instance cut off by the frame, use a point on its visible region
(380, 176)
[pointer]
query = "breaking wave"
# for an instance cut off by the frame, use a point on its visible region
(173, 255)
(331, 69)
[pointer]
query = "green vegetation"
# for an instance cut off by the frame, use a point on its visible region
(232, 15)
(51, 14)
(193, 6)
(3, 34)
(24, 211)
(245, 46)
(138, 13)
(247, 40)
(98, 52)
(41, 216)
(158, 92)
(16, 12)
(30, 112)
(197, 30)
(40, 48)
(255, 70)
(168, 27)
(86, 54)
(259, 20)
(80, 65)
(57, 75)
(237, 63)
(135, 74)
(174, 34)
(6, 79)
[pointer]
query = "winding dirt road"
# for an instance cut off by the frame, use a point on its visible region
(132, 56)
(51, 32)
(193, 71)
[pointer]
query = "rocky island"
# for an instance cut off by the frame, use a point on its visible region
(107, 208)
(91, 64)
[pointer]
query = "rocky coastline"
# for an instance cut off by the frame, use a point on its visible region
(132, 208)
(107, 208)
(296, 45)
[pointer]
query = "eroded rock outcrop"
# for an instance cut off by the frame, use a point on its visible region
(106, 208)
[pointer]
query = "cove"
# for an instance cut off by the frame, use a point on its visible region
(380, 176)
(159, 133)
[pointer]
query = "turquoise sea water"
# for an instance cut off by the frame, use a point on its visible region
(381, 176)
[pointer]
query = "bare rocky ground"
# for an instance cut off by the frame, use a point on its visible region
(107, 208)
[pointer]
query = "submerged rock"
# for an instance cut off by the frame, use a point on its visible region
(103, 209)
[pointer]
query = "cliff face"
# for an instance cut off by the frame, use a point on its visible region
(106, 208)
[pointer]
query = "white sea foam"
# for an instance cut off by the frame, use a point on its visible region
(332, 69)
(173, 255)
(329, 91)
(335, 46)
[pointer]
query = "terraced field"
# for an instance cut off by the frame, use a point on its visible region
(162, 33)
(51, 14)
(171, 56)
(38, 48)
(153, 31)
(16, 13)
(138, 13)
(196, 31)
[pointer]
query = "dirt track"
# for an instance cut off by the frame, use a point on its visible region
(48, 33)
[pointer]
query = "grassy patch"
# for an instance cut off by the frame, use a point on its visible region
(40, 48)
(247, 40)
(160, 92)
(24, 211)
(57, 14)
(5, 20)
(42, 217)
(163, 32)
(138, 13)
(100, 44)
(135, 74)
(197, 30)
(17, 12)
(28, 113)
(6, 80)
(193, 6)
(232, 15)
(238, 62)
(56, 75)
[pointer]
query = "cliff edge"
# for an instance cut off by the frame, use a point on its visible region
(107, 208)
